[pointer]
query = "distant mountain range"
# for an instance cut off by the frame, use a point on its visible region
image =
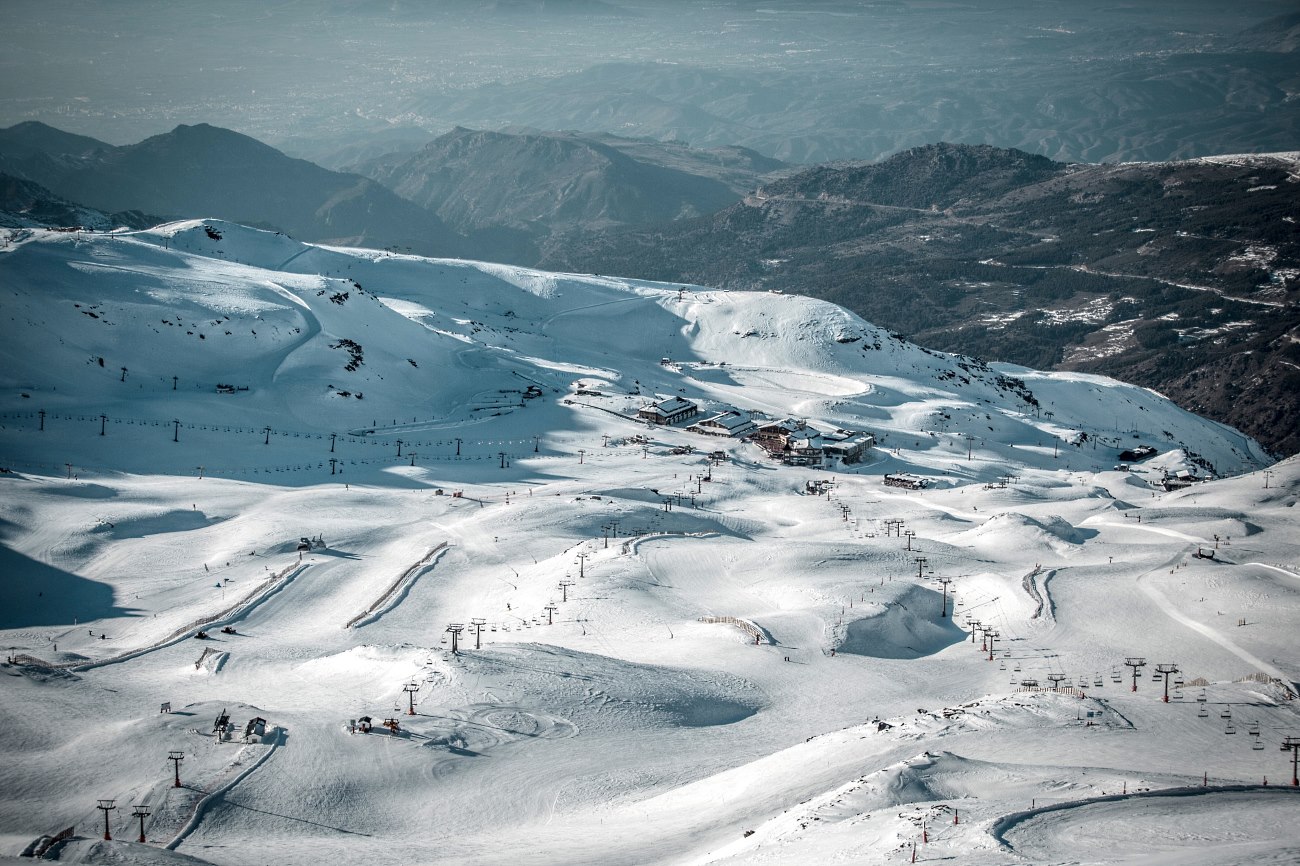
(489, 195)
(203, 170)
(1184, 277)
(509, 192)
(1098, 86)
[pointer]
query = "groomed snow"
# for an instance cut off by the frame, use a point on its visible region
(679, 660)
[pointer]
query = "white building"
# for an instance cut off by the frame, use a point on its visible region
(731, 423)
(670, 411)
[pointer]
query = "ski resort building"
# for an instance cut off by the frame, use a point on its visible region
(792, 442)
(670, 411)
(732, 423)
(797, 443)
(905, 480)
(847, 445)
(1180, 479)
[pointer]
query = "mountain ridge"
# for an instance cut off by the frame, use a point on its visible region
(1107, 268)
(207, 169)
(520, 188)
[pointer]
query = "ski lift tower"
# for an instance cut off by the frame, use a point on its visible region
(454, 630)
(141, 812)
(1292, 745)
(176, 758)
(943, 612)
(1056, 679)
(410, 689)
(1135, 664)
(992, 635)
(106, 806)
(1165, 670)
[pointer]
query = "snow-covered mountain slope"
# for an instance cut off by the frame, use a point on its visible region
(331, 340)
(661, 657)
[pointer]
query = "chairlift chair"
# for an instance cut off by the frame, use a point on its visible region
(1204, 712)
(1230, 729)
(1258, 745)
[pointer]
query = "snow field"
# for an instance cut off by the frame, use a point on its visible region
(617, 727)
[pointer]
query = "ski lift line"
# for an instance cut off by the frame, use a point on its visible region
(351, 437)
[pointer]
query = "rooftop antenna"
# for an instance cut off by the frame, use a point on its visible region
(141, 812)
(176, 758)
(410, 689)
(107, 806)
(1165, 670)
(1135, 664)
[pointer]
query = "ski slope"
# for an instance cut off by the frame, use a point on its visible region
(680, 660)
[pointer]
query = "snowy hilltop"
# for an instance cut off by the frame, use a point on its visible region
(433, 560)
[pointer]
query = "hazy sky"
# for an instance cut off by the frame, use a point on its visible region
(286, 70)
